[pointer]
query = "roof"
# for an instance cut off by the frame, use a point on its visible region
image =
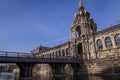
(108, 29)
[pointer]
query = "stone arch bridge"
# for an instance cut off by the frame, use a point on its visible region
(26, 63)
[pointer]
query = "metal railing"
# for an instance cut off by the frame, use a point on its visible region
(14, 54)
(30, 55)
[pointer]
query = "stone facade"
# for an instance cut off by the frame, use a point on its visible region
(86, 42)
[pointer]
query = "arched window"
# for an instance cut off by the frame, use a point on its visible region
(99, 44)
(117, 39)
(53, 54)
(66, 51)
(78, 32)
(56, 53)
(108, 42)
(63, 52)
(50, 55)
(59, 53)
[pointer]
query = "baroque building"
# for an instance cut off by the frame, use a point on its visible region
(86, 42)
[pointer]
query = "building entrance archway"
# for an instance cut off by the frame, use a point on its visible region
(80, 50)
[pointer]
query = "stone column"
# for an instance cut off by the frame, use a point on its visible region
(113, 42)
(103, 43)
(65, 52)
(73, 34)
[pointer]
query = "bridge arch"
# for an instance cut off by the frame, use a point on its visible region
(40, 68)
(72, 69)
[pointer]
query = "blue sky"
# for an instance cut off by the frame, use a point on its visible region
(25, 24)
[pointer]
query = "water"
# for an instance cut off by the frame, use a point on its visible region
(6, 76)
(12, 76)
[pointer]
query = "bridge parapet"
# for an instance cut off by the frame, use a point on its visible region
(30, 55)
(14, 54)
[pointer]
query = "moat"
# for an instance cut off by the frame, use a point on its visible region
(13, 76)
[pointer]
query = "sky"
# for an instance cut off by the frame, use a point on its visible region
(27, 24)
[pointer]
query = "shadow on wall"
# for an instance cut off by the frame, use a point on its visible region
(76, 69)
(114, 70)
(111, 77)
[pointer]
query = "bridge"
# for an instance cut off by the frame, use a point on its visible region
(27, 61)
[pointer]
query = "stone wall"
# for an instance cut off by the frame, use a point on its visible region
(103, 66)
(109, 66)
